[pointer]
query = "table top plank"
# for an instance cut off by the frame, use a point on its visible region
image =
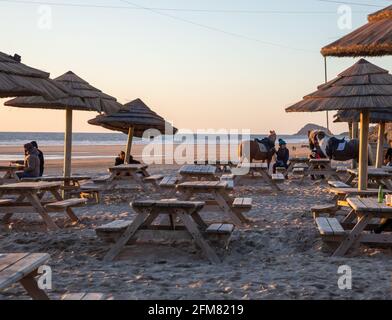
(355, 191)
(372, 172)
(197, 170)
(369, 205)
(29, 186)
(21, 268)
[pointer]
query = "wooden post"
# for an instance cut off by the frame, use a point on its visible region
(68, 143)
(380, 145)
(326, 80)
(129, 146)
(355, 135)
(363, 151)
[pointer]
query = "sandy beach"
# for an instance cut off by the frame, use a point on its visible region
(278, 256)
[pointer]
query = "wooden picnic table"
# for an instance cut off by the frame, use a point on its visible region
(198, 172)
(129, 173)
(341, 194)
(295, 161)
(220, 194)
(379, 176)
(30, 199)
(23, 268)
(365, 209)
(148, 211)
(259, 171)
(221, 166)
(321, 167)
(72, 182)
(10, 173)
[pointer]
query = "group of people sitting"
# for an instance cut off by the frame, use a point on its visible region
(34, 162)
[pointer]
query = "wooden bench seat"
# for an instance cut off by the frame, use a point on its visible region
(330, 229)
(220, 228)
(6, 202)
(242, 203)
(168, 203)
(104, 179)
(329, 209)
(154, 178)
(69, 203)
(298, 171)
(278, 177)
(83, 296)
(338, 184)
(169, 182)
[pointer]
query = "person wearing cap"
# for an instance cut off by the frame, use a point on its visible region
(41, 158)
(31, 163)
(282, 156)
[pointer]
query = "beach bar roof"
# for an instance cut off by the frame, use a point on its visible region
(134, 118)
(364, 87)
(82, 96)
(17, 79)
(372, 39)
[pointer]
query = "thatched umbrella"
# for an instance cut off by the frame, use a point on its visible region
(17, 79)
(134, 118)
(372, 39)
(82, 97)
(381, 118)
(363, 87)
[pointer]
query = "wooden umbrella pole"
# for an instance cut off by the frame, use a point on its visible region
(68, 143)
(355, 135)
(129, 145)
(380, 145)
(363, 151)
(326, 80)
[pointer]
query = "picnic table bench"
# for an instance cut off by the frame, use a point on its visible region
(30, 199)
(219, 191)
(148, 211)
(23, 268)
(378, 176)
(364, 211)
(257, 171)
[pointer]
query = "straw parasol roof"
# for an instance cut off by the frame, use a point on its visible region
(82, 97)
(364, 86)
(135, 114)
(17, 79)
(351, 116)
(372, 39)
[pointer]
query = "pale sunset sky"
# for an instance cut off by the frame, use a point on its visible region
(201, 67)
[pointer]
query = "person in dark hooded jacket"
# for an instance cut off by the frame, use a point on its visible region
(282, 156)
(41, 158)
(31, 163)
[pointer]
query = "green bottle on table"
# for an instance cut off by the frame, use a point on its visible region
(380, 194)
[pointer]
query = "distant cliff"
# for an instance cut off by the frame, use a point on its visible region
(311, 126)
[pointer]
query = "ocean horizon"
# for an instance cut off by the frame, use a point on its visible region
(85, 138)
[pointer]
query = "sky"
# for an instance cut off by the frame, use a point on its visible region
(205, 64)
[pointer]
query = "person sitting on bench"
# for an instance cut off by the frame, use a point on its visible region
(31, 163)
(282, 156)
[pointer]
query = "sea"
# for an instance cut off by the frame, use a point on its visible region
(115, 139)
(80, 139)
